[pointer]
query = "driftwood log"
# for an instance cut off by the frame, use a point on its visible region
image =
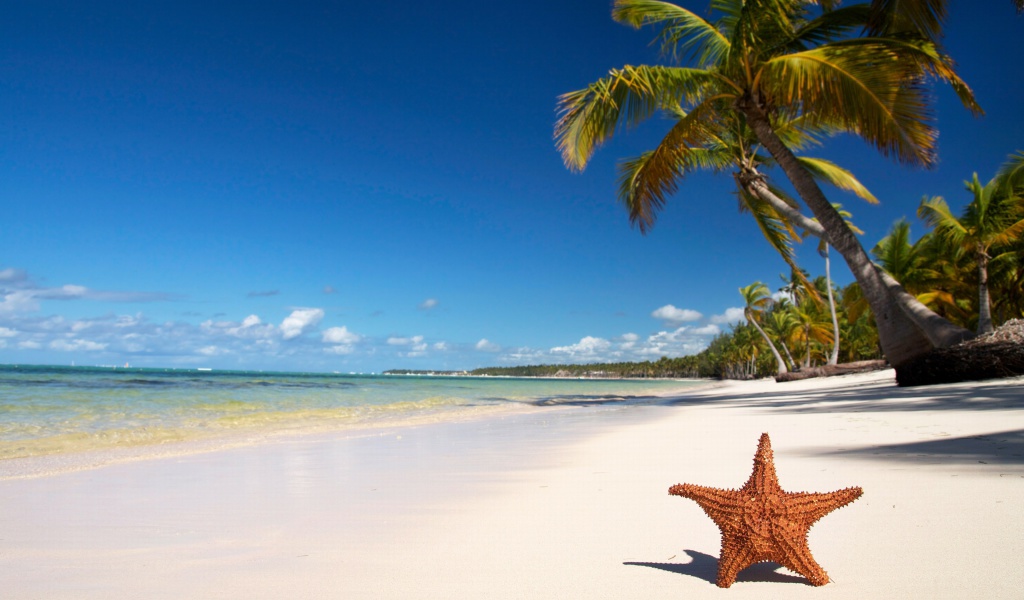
(829, 370)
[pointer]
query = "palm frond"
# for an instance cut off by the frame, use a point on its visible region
(802, 131)
(824, 170)
(1011, 175)
(1009, 235)
(683, 33)
(924, 58)
(646, 181)
(845, 87)
(831, 25)
(936, 214)
(627, 96)
(921, 17)
(894, 252)
(775, 229)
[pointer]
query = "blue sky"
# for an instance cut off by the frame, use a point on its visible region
(360, 186)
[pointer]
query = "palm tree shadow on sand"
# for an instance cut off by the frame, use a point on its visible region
(704, 566)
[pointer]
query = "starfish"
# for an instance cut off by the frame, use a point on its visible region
(761, 522)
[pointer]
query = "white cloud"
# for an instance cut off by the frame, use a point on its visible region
(627, 341)
(79, 326)
(428, 304)
(440, 346)
(522, 356)
(711, 329)
(128, 321)
(251, 328)
(587, 347)
(485, 345)
(76, 345)
(30, 345)
(340, 335)
(416, 345)
(7, 332)
(344, 340)
(731, 315)
(73, 291)
(251, 321)
(405, 341)
(671, 314)
(13, 275)
(211, 351)
(300, 321)
(18, 301)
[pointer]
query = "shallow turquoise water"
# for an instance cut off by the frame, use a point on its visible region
(52, 410)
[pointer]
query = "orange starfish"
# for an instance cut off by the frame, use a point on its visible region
(760, 522)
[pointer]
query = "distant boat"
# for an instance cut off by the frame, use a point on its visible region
(204, 369)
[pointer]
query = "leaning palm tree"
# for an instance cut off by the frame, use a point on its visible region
(762, 62)
(757, 299)
(823, 250)
(993, 219)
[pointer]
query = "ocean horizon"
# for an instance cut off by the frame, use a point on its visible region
(56, 410)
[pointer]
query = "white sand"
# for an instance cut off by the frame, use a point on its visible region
(570, 503)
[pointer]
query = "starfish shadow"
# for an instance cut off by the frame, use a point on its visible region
(704, 566)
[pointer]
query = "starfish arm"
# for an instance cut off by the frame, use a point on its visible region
(796, 557)
(807, 566)
(735, 557)
(809, 507)
(723, 506)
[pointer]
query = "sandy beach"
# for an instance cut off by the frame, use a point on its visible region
(566, 503)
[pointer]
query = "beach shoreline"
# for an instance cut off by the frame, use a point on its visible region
(540, 504)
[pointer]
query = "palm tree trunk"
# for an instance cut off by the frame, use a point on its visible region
(901, 338)
(834, 358)
(789, 355)
(778, 357)
(807, 347)
(940, 332)
(984, 305)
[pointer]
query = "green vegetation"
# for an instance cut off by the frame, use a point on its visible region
(810, 323)
(687, 367)
(777, 74)
(766, 79)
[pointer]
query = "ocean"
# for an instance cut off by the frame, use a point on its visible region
(52, 410)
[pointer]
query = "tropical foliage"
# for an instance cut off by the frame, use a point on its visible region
(792, 329)
(774, 74)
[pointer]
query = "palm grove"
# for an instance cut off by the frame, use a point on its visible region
(764, 82)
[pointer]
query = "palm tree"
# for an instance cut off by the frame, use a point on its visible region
(823, 250)
(757, 299)
(929, 269)
(760, 63)
(991, 222)
(812, 327)
(782, 324)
